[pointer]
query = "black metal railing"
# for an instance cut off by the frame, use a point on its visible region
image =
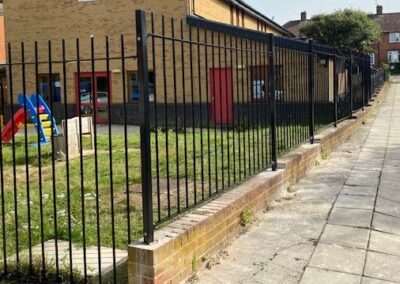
(142, 133)
(377, 80)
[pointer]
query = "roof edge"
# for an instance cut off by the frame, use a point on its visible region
(249, 9)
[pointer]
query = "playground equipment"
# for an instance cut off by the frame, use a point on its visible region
(41, 118)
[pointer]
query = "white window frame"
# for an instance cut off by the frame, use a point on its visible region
(372, 56)
(394, 37)
(393, 56)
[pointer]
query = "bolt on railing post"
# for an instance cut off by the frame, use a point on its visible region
(145, 140)
(272, 95)
(335, 88)
(311, 94)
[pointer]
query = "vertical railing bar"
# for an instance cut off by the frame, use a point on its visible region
(3, 218)
(244, 109)
(253, 126)
(271, 54)
(145, 139)
(283, 55)
(40, 154)
(335, 88)
(193, 114)
(175, 114)
(238, 103)
(214, 112)
(11, 91)
(227, 108)
(201, 113)
(66, 133)
(184, 116)
(53, 156)
(78, 66)
(294, 108)
(256, 102)
(206, 75)
(265, 104)
(350, 83)
(233, 110)
(228, 158)
(221, 109)
(311, 90)
(165, 115)
(260, 110)
(156, 138)
(278, 103)
(26, 148)
(249, 103)
(110, 146)
(292, 123)
(126, 156)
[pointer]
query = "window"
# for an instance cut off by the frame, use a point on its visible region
(393, 56)
(133, 87)
(394, 37)
(372, 56)
(44, 87)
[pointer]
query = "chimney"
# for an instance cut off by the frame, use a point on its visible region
(379, 10)
(303, 16)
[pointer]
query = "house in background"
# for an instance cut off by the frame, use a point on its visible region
(385, 51)
(295, 26)
(388, 49)
(84, 19)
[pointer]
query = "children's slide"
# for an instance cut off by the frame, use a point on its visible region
(40, 117)
(13, 125)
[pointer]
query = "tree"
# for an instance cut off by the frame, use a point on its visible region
(344, 29)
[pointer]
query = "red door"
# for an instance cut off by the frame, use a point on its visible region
(98, 90)
(221, 95)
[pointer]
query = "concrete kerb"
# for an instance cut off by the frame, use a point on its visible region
(186, 244)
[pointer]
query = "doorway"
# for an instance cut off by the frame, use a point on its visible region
(221, 107)
(98, 86)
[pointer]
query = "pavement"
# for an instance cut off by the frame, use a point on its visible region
(340, 224)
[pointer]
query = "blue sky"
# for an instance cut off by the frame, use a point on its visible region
(284, 10)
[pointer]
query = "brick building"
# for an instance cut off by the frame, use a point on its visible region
(388, 49)
(43, 20)
(385, 51)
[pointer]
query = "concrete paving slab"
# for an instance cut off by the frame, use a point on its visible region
(360, 190)
(389, 193)
(92, 261)
(350, 217)
(317, 276)
(359, 180)
(387, 224)
(345, 236)
(355, 202)
(385, 243)
(388, 207)
(338, 258)
(366, 280)
(382, 266)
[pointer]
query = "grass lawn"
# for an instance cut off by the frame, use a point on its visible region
(213, 159)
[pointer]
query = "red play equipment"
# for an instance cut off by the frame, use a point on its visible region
(8, 131)
(35, 110)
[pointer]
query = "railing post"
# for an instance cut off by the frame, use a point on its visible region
(143, 76)
(363, 79)
(351, 84)
(311, 94)
(335, 88)
(272, 77)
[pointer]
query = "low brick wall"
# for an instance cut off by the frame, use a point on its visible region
(184, 245)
